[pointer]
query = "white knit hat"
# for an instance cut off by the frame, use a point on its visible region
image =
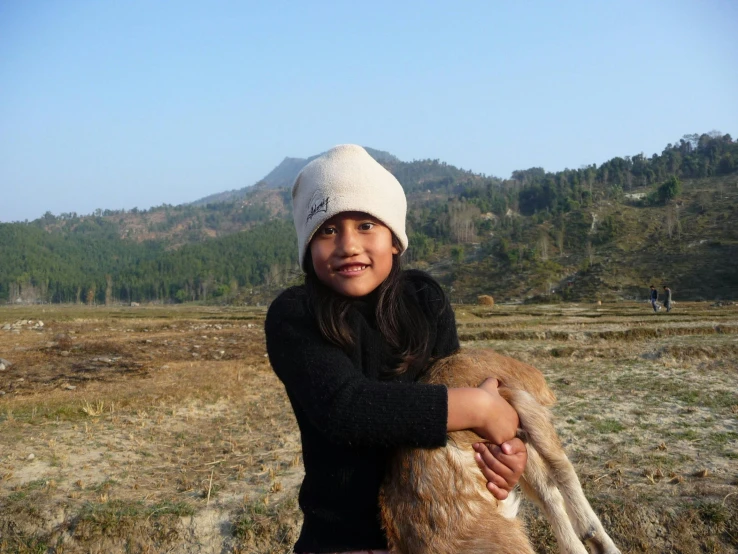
(346, 179)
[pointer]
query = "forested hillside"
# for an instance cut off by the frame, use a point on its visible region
(92, 264)
(597, 232)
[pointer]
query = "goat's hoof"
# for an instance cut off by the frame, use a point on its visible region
(589, 535)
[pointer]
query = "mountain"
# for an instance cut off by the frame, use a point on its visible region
(596, 233)
(283, 176)
(285, 173)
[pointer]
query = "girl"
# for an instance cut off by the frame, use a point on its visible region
(349, 345)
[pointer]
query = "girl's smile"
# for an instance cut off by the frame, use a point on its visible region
(352, 253)
(349, 269)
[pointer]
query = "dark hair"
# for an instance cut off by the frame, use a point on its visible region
(399, 317)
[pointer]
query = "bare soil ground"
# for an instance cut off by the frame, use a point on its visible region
(163, 429)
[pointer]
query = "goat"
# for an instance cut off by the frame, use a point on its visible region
(436, 500)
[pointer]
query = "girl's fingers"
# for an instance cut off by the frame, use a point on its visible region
(491, 476)
(498, 493)
(492, 455)
(495, 484)
(493, 469)
(514, 455)
(513, 446)
(501, 466)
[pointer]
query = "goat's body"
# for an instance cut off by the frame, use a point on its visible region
(435, 500)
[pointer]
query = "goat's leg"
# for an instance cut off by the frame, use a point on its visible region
(586, 523)
(537, 422)
(538, 486)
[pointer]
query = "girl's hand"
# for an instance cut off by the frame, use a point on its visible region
(502, 465)
(499, 420)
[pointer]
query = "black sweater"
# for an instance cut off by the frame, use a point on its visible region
(350, 417)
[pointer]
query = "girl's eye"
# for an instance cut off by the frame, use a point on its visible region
(366, 226)
(328, 231)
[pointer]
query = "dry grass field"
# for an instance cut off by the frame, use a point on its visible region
(163, 429)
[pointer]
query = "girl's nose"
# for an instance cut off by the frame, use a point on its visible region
(348, 243)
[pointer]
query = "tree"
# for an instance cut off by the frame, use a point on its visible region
(590, 252)
(461, 221)
(669, 189)
(669, 222)
(543, 246)
(725, 165)
(108, 289)
(91, 295)
(457, 254)
(560, 240)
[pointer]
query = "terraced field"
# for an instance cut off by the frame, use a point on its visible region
(160, 429)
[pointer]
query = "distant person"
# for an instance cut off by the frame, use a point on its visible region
(667, 299)
(654, 299)
(349, 344)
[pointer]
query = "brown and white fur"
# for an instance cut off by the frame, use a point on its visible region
(435, 500)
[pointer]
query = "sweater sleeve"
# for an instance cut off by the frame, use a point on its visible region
(338, 400)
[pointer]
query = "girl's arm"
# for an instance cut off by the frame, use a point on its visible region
(484, 412)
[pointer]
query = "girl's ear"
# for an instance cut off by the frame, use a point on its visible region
(395, 245)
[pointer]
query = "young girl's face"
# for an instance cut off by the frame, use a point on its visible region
(352, 253)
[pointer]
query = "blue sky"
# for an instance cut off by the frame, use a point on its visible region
(133, 104)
